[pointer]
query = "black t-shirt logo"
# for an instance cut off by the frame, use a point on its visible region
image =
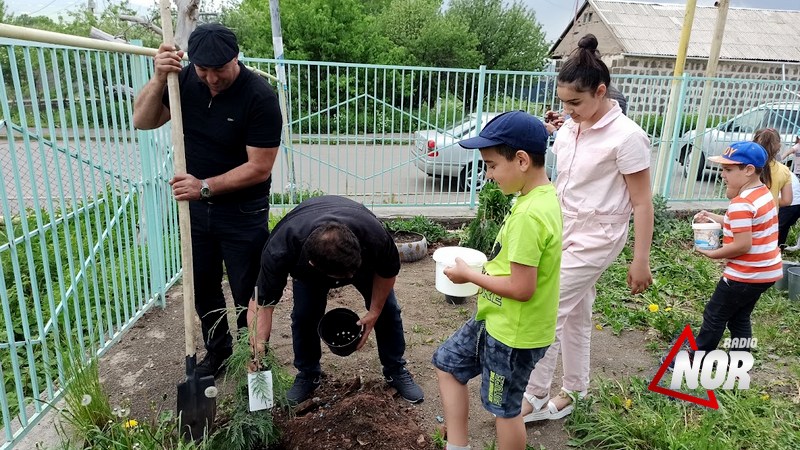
(495, 250)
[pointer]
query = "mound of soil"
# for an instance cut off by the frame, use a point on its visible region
(349, 415)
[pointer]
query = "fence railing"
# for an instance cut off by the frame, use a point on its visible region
(88, 228)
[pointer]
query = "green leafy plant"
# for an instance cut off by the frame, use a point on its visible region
(433, 231)
(482, 231)
(242, 429)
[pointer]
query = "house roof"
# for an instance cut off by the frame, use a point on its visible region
(655, 29)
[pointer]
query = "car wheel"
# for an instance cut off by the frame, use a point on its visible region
(465, 177)
(701, 166)
(701, 169)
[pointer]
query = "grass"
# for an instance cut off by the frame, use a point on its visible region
(624, 414)
(92, 422)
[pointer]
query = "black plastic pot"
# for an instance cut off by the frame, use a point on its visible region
(339, 331)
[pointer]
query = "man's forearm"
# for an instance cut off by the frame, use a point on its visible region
(148, 106)
(239, 177)
(380, 292)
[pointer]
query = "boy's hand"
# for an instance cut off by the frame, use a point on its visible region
(459, 273)
(703, 215)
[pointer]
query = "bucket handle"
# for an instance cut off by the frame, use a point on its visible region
(708, 220)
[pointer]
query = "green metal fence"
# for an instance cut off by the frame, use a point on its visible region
(88, 229)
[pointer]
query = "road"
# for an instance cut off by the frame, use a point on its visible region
(377, 175)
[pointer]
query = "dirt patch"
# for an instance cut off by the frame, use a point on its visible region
(144, 368)
(345, 415)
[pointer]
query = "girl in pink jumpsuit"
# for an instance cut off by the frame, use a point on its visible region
(603, 175)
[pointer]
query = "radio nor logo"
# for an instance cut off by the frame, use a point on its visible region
(713, 370)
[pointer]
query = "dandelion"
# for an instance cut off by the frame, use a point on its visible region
(210, 392)
(123, 412)
(765, 397)
(668, 309)
(653, 307)
(628, 403)
(86, 400)
(132, 423)
(598, 326)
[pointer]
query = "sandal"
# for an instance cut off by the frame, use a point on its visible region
(567, 409)
(539, 411)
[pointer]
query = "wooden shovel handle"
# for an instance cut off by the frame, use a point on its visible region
(179, 158)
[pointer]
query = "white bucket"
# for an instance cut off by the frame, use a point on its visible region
(445, 257)
(707, 236)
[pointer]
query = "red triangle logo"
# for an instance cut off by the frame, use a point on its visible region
(686, 335)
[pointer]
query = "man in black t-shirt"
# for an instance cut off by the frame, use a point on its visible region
(323, 243)
(232, 131)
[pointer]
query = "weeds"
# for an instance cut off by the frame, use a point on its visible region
(433, 232)
(628, 416)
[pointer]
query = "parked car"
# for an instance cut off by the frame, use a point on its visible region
(784, 117)
(437, 153)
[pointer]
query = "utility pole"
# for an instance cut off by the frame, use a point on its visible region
(277, 49)
(91, 6)
(667, 132)
(705, 102)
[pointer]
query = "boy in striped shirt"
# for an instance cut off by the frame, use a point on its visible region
(750, 244)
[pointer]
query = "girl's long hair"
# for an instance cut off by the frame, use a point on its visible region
(771, 141)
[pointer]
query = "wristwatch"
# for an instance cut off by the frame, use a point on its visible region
(205, 191)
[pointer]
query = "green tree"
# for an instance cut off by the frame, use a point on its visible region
(427, 37)
(316, 30)
(510, 38)
(3, 11)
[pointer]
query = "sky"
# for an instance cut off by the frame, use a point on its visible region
(554, 15)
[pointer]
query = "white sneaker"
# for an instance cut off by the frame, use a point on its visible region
(540, 412)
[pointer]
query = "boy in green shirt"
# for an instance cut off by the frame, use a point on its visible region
(518, 300)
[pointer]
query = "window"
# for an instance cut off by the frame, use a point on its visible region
(786, 121)
(749, 122)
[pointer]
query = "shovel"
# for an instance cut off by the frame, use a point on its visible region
(197, 403)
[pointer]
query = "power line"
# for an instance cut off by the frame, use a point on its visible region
(43, 7)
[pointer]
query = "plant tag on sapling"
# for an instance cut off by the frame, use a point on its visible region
(259, 390)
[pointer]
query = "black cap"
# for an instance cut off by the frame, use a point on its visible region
(212, 45)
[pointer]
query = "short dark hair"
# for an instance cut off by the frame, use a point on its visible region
(333, 249)
(508, 152)
(584, 67)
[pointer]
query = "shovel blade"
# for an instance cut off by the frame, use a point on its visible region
(197, 403)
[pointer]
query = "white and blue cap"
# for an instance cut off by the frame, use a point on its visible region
(517, 129)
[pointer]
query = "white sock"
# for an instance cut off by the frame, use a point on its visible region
(450, 446)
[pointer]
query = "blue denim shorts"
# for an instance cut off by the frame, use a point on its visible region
(504, 371)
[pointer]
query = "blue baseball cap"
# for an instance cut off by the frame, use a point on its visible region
(517, 129)
(745, 152)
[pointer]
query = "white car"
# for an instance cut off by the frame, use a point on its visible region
(437, 153)
(784, 117)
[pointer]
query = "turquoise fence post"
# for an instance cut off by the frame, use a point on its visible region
(151, 231)
(478, 126)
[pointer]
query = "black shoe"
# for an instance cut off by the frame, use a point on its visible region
(302, 388)
(406, 386)
(213, 364)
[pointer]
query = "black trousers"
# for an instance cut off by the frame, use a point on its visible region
(731, 306)
(310, 300)
(787, 216)
(233, 235)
